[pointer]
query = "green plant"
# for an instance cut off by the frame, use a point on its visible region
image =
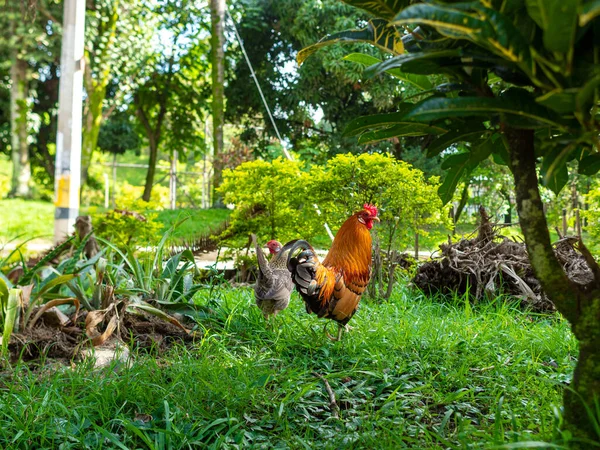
(592, 213)
(407, 202)
(521, 83)
(271, 200)
(128, 228)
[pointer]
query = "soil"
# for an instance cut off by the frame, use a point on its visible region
(64, 344)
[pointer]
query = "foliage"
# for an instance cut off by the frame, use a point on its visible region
(592, 213)
(522, 84)
(128, 230)
(413, 373)
(119, 36)
(171, 100)
(275, 200)
(407, 202)
(270, 200)
(118, 135)
(311, 104)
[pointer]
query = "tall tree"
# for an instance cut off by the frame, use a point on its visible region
(30, 39)
(217, 43)
(119, 36)
(310, 104)
(490, 51)
(170, 102)
(20, 36)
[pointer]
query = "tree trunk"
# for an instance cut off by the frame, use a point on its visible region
(21, 176)
(91, 131)
(580, 306)
(96, 90)
(217, 41)
(151, 170)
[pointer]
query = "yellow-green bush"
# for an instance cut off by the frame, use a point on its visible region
(275, 199)
(271, 200)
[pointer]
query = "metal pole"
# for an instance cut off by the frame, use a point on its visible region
(106, 191)
(173, 180)
(68, 137)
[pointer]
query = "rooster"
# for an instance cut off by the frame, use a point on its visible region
(274, 283)
(332, 289)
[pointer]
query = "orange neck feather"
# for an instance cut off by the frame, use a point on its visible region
(350, 252)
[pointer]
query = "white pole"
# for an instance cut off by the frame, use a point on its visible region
(106, 191)
(173, 180)
(68, 137)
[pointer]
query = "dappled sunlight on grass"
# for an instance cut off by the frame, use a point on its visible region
(413, 373)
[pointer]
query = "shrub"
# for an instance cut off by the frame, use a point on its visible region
(408, 203)
(271, 200)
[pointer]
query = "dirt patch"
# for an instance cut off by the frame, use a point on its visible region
(65, 344)
(151, 333)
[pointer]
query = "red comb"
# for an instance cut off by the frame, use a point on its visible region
(372, 209)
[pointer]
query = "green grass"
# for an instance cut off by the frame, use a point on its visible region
(26, 218)
(412, 374)
(31, 218)
(200, 221)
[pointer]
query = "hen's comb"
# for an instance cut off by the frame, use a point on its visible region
(372, 209)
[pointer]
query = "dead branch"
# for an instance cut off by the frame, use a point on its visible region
(333, 406)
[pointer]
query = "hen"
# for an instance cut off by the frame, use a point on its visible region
(333, 288)
(274, 282)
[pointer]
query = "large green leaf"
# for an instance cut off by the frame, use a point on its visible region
(460, 164)
(484, 27)
(538, 11)
(377, 32)
(419, 58)
(554, 172)
(386, 9)
(453, 176)
(361, 124)
(589, 10)
(401, 129)
(420, 81)
(458, 135)
(585, 96)
(590, 165)
(450, 22)
(560, 100)
(442, 108)
(559, 35)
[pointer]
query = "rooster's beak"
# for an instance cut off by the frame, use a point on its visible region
(375, 218)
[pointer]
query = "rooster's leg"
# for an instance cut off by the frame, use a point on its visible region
(339, 335)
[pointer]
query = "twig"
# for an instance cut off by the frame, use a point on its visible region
(333, 406)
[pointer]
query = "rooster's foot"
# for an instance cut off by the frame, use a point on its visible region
(341, 329)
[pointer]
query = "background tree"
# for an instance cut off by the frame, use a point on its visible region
(27, 28)
(311, 104)
(171, 101)
(217, 44)
(550, 50)
(119, 38)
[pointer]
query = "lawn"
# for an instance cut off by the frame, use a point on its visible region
(23, 219)
(412, 374)
(29, 218)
